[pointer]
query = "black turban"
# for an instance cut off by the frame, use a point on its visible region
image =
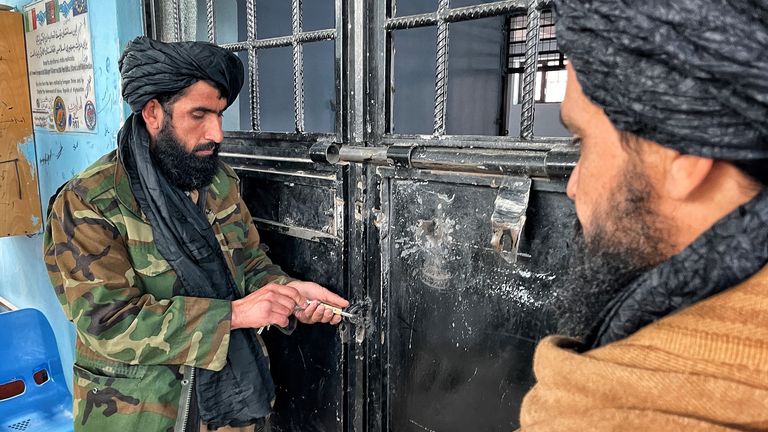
(150, 68)
(691, 75)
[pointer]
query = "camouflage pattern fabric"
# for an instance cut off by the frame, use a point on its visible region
(135, 330)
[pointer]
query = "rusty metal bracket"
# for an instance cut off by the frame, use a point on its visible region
(508, 219)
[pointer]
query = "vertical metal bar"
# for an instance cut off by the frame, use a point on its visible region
(210, 14)
(529, 71)
(385, 68)
(441, 69)
(153, 19)
(298, 66)
(176, 18)
(359, 83)
(378, 69)
(342, 66)
(253, 65)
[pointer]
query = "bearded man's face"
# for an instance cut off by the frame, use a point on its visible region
(620, 235)
(626, 240)
(187, 145)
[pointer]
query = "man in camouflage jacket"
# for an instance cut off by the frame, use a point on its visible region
(139, 338)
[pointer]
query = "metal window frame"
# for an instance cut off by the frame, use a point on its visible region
(296, 40)
(363, 83)
(441, 18)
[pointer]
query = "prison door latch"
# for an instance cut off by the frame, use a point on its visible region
(508, 219)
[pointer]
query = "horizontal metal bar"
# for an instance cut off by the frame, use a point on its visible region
(275, 172)
(477, 141)
(561, 161)
(304, 37)
(293, 231)
(280, 137)
(412, 21)
(555, 163)
(484, 10)
(237, 46)
(377, 155)
(475, 179)
(282, 41)
(530, 163)
(266, 157)
(455, 15)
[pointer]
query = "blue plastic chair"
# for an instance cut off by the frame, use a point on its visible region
(33, 391)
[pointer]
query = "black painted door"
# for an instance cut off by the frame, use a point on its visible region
(375, 152)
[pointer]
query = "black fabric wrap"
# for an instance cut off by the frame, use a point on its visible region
(734, 249)
(241, 393)
(150, 68)
(691, 75)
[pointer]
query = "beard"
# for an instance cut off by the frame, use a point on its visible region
(181, 168)
(627, 240)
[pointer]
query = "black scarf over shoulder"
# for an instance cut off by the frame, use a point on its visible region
(734, 249)
(241, 393)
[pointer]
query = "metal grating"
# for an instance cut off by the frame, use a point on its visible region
(445, 15)
(253, 44)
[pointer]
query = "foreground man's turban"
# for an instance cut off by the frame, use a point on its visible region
(150, 68)
(691, 75)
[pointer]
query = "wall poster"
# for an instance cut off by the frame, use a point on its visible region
(60, 61)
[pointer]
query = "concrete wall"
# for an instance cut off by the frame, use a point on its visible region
(59, 156)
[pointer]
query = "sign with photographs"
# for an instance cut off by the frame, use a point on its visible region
(60, 59)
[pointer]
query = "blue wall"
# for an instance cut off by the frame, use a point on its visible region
(59, 156)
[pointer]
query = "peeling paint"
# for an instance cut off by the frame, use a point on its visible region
(27, 148)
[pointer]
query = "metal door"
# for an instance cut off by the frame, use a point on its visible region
(448, 242)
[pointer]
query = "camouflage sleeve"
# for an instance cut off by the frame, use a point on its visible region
(259, 269)
(89, 266)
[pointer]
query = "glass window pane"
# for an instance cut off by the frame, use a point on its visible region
(475, 77)
(319, 87)
(414, 80)
(230, 21)
(273, 18)
(555, 89)
(276, 89)
(319, 14)
(413, 7)
(238, 115)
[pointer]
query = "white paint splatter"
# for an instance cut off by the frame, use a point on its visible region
(422, 426)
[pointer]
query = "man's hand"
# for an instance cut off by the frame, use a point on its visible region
(270, 304)
(315, 312)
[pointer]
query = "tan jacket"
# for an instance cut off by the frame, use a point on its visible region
(704, 368)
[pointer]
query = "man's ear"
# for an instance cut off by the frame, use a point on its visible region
(686, 174)
(153, 115)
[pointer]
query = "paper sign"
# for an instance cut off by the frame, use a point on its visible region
(60, 61)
